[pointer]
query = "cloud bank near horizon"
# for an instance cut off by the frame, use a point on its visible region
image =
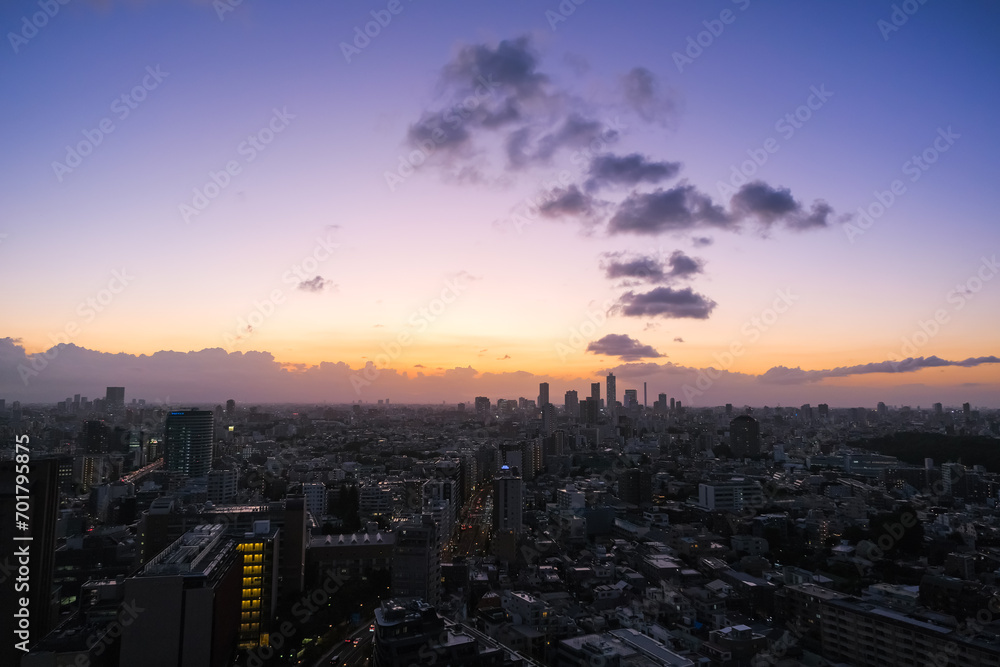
(214, 375)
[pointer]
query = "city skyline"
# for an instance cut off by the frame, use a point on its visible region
(356, 202)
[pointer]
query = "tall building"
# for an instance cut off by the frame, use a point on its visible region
(190, 596)
(36, 588)
(631, 401)
(258, 553)
(316, 495)
(543, 394)
(589, 411)
(222, 485)
(635, 486)
(483, 407)
(572, 404)
(230, 407)
(595, 391)
(744, 436)
(114, 399)
(416, 560)
(548, 419)
(508, 501)
(188, 442)
(95, 437)
(611, 394)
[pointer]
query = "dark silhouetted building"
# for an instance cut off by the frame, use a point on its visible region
(744, 436)
(189, 595)
(416, 560)
(188, 442)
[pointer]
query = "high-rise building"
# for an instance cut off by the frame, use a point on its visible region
(230, 407)
(258, 550)
(43, 507)
(508, 501)
(190, 597)
(483, 407)
(95, 437)
(416, 560)
(611, 394)
(316, 494)
(222, 485)
(188, 442)
(548, 419)
(595, 391)
(114, 399)
(744, 436)
(572, 404)
(589, 411)
(631, 401)
(543, 394)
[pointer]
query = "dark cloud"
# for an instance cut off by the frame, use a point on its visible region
(701, 241)
(512, 66)
(642, 268)
(785, 375)
(666, 302)
(677, 209)
(503, 358)
(317, 284)
(651, 269)
(577, 131)
(629, 170)
(567, 202)
(644, 95)
(771, 205)
(622, 346)
(678, 340)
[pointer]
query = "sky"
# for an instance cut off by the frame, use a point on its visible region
(732, 201)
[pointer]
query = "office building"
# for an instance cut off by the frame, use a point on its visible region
(733, 495)
(190, 595)
(188, 442)
(744, 436)
(416, 560)
(572, 404)
(508, 501)
(543, 394)
(611, 394)
(316, 496)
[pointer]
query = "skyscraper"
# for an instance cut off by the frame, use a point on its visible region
(595, 391)
(572, 404)
(612, 394)
(744, 436)
(508, 503)
(416, 560)
(114, 399)
(543, 394)
(188, 442)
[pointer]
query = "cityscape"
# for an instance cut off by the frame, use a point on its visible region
(385, 333)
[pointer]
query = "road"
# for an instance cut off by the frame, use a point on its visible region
(348, 653)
